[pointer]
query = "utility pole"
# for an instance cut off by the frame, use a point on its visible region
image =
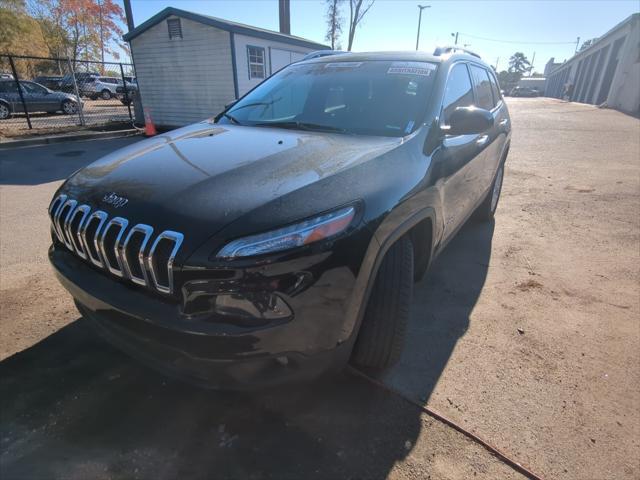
(421, 7)
(128, 14)
(284, 14)
(101, 39)
(497, 61)
(577, 43)
(533, 59)
(455, 35)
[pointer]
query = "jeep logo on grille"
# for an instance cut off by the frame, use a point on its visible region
(115, 200)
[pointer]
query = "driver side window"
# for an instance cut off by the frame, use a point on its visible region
(32, 88)
(458, 92)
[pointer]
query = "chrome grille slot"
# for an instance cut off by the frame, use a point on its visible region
(110, 246)
(90, 232)
(54, 209)
(133, 253)
(63, 215)
(107, 244)
(72, 228)
(161, 257)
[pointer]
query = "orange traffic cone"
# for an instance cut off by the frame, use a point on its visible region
(149, 127)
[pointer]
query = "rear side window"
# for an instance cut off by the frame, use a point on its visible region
(8, 87)
(484, 96)
(458, 93)
(495, 89)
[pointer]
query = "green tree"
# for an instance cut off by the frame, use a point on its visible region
(357, 11)
(80, 29)
(334, 23)
(508, 80)
(518, 63)
(19, 33)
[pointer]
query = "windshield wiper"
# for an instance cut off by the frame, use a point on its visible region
(257, 104)
(301, 126)
(231, 118)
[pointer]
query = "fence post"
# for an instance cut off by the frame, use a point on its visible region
(75, 88)
(126, 94)
(24, 104)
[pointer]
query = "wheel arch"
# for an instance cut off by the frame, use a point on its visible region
(7, 103)
(417, 226)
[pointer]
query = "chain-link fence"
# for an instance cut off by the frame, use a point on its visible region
(58, 93)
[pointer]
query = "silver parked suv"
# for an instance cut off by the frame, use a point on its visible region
(101, 87)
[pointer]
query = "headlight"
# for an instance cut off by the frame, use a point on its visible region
(302, 233)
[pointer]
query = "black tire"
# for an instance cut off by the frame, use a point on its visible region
(487, 209)
(69, 107)
(382, 333)
(5, 111)
(105, 94)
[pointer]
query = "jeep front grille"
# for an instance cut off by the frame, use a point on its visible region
(106, 243)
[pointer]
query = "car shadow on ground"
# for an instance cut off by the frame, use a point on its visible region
(441, 310)
(72, 406)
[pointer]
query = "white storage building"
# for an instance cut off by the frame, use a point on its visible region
(189, 66)
(608, 72)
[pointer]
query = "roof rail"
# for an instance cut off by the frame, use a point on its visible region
(453, 49)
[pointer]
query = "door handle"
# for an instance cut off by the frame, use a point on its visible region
(504, 122)
(482, 140)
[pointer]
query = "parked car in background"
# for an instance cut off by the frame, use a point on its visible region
(103, 87)
(525, 92)
(52, 82)
(283, 238)
(67, 83)
(131, 93)
(37, 97)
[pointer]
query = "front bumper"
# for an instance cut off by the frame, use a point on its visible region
(216, 353)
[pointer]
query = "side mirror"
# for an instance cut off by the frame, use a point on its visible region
(469, 121)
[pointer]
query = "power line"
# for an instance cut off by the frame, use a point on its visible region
(514, 41)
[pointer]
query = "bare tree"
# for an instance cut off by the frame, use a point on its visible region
(356, 13)
(334, 23)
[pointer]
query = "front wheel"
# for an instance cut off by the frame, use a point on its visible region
(487, 209)
(105, 94)
(4, 111)
(69, 107)
(381, 337)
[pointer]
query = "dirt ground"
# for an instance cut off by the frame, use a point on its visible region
(526, 332)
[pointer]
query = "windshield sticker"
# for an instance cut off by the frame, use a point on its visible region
(411, 68)
(409, 126)
(343, 65)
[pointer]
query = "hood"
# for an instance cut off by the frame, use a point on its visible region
(209, 175)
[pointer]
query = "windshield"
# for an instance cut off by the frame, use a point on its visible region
(372, 98)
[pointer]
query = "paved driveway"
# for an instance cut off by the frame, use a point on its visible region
(525, 331)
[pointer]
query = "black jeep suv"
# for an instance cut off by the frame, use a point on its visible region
(282, 238)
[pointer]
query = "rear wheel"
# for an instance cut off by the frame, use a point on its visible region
(69, 107)
(487, 209)
(5, 112)
(381, 337)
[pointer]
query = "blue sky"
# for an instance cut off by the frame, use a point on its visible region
(392, 24)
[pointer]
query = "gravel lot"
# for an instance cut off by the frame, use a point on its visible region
(525, 332)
